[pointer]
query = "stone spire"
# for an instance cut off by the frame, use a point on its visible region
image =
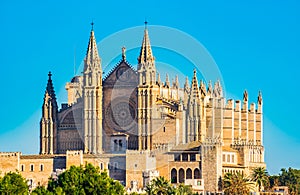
(217, 91)
(50, 88)
(186, 84)
(158, 79)
(92, 58)
(209, 89)
(202, 89)
(92, 98)
(146, 62)
(167, 83)
(194, 87)
(176, 82)
(48, 123)
(146, 50)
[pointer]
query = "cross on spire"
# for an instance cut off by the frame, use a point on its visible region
(92, 23)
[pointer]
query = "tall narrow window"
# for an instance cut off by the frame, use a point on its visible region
(41, 167)
(192, 157)
(115, 145)
(184, 157)
(120, 145)
(228, 158)
(31, 167)
(22, 167)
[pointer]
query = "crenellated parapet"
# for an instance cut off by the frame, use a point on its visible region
(243, 123)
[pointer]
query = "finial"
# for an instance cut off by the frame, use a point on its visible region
(124, 53)
(195, 71)
(49, 74)
(158, 78)
(92, 23)
(245, 96)
(259, 99)
(146, 23)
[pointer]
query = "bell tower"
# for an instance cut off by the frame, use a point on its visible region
(48, 123)
(146, 93)
(92, 98)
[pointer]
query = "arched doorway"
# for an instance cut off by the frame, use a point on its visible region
(189, 174)
(181, 175)
(196, 173)
(173, 175)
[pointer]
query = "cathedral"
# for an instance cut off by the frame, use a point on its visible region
(137, 127)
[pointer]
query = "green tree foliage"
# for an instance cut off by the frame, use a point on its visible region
(160, 186)
(40, 190)
(236, 184)
(13, 183)
(260, 177)
(290, 178)
(85, 180)
(183, 190)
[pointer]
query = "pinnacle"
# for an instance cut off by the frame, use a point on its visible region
(92, 58)
(146, 50)
(49, 87)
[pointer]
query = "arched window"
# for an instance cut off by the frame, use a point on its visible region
(196, 173)
(181, 175)
(189, 174)
(173, 175)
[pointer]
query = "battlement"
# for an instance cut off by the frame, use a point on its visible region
(242, 106)
(10, 154)
(74, 152)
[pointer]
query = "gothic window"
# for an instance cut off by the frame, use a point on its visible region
(196, 173)
(228, 158)
(189, 174)
(224, 157)
(181, 175)
(232, 158)
(173, 175)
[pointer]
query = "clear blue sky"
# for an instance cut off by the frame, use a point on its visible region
(255, 45)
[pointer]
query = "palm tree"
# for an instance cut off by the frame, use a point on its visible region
(183, 190)
(236, 184)
(261, 177)
(159, 186)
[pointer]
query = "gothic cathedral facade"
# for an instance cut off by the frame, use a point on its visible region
(138, 127)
